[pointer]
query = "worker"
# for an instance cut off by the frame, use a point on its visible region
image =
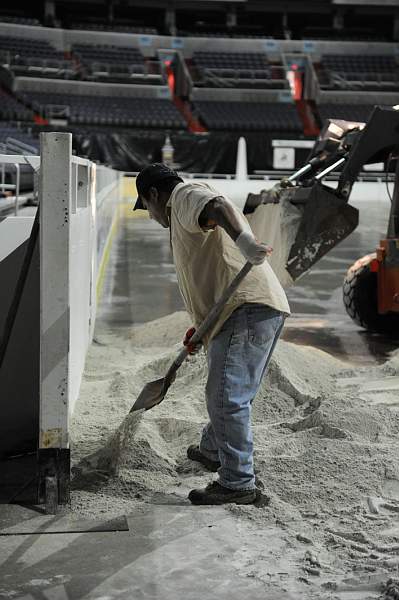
(211, 241)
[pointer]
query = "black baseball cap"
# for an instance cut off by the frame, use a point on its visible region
(149, 176)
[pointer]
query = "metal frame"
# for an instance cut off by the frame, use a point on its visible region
(14, 145)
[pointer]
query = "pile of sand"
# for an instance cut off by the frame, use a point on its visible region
(325, 454)
(278, 224)
(391, 367)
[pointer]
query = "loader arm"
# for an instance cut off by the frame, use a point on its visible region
(327, 216)
(373, 144)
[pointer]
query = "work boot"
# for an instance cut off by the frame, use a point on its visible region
(214, 493)
(194, 453)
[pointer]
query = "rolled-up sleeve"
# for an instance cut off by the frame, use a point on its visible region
(188, 203)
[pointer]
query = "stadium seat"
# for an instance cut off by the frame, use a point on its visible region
(107, 110)
(365, 72)
(28, 56)
(249, 116)
(238, 69)
(347, 112)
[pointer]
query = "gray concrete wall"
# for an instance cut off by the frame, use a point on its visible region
(148, 44)
(89, 88)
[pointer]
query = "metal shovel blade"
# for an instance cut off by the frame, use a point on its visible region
(326, 221)
(152, 394)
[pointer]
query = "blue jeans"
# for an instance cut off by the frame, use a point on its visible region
(237, 360)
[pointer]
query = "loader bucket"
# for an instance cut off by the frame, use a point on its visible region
(326, 221)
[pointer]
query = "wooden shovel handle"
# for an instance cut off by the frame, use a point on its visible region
(208, 322)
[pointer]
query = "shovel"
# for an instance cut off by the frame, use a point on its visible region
(154, 392)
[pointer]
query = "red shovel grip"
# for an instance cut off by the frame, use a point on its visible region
(186, 342)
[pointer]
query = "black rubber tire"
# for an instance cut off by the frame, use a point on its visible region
(360, 295)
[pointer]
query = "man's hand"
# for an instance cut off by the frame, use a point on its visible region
(192, 348)
(253, 251)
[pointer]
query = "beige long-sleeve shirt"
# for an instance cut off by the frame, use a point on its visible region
(207, 262)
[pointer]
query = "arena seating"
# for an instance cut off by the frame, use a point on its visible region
(236, 69)
(19, 20)
(235, 34)
(107, 110)
(347, 112)
(237, 72)
(110, 62)
(343, 35)
(38, 58)
(12, 110)
(41, 67)
(249, 116)
(88, 53)
(29, 46)
(119, 26)
(12, 131)
(232, 60)
(34, 57)
(368, 72)
(115, 63)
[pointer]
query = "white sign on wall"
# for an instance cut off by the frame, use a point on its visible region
(283, 158)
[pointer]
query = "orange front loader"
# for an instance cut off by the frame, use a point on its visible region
(386, 262)
(371, 287)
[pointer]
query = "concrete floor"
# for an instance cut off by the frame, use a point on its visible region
(169, 553)
(180, 552)
(142, 286)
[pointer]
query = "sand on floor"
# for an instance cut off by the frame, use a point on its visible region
(326, 453)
